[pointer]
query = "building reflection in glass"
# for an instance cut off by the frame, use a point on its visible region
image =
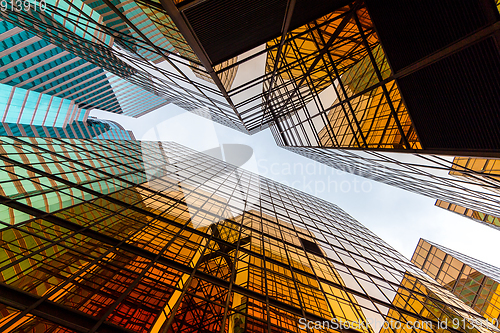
(154, 237)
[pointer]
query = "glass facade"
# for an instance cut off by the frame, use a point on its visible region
(344, 100)
(132, 40)
(435, 176)
(472, 214)
(29, 62)
(29, 113)
(473, 281)
(484, 171)
(324, 76)
(326, 79)
(384, 87)
(127, 236)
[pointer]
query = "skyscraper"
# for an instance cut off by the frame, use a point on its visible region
(336, 75)
(418, 87)
(473, 281)
(28, 113)
(444, 178)
(126, 236)
(31, 63)
(475, 215)
(122, 40)
(407, 89)
(333, 74)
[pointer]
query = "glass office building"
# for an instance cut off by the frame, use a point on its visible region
(30, 62)
(367, 76)
(473, 281)
(400, 79)
(475, 215)
(127, 236)
(29, 113)
(336, 74)
(440, 177)
(329, 75)
(134, 41)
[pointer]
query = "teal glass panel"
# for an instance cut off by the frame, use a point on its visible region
(4, 97)
(15, 105)
(42, 109)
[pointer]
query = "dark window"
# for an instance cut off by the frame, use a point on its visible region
(311, 247)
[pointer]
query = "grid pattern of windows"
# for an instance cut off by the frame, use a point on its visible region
(323, 85)
(28, 62)
(341, 98)
(473, 281)
(28, 113)
(125, 236)
(489, 220)
(322, 79)
(435, 176)
(484, 170)
(131, 45)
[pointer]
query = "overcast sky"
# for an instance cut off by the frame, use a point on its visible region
(397, 216)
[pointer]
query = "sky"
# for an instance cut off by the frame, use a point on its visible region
(397, 216)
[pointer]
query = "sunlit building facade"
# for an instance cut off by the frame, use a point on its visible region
(127, 236)
(481, 171)
(395, 82)
(129, 40)
(485, 171)
(417, 83)
(475, 215)
(328, 79)
(473, 281)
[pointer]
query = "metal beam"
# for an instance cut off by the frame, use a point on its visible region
(54, 312)
(165, 57)
(384, 88)
(185, 29)
(286, 24)
(186, 4)
(15, 298)
(320, 54)
(284, 31)
(349, 105)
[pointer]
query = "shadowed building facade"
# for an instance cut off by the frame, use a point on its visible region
(127, 236)
(473, 281)
(412, 81)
